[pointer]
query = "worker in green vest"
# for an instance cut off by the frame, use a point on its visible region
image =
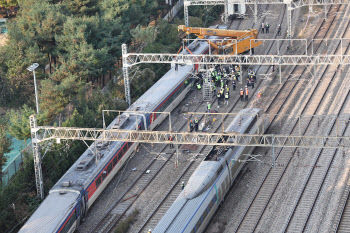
(199, 86)
(196, 124)
(219, 97)
(226, 97)
(208, 106)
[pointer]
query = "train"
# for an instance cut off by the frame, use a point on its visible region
(71, 197)
(206, 188)
(236, 11)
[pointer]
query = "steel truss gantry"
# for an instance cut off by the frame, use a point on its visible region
(294, 4)
(290, 5)
(36, 156)
(198, 138)
(47, 133)
(131, 59)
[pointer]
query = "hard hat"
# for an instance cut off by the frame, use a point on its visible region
(246, 86)
(196, 118)
(241, 88)
(183, 182)
(190, 120)
(207, 102)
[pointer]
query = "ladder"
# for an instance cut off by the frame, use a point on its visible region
(207, 94)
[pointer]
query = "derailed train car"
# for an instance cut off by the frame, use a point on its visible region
(206, 188)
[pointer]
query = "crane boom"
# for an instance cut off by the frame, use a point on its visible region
(236, 41)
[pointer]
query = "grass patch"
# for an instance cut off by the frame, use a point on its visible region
(125, 224)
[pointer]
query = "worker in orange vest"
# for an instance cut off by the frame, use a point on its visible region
(246, 93)
(241, 93)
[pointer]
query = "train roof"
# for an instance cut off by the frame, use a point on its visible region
(179, 213)
(48, 217)
(169, 81)
(239, 125)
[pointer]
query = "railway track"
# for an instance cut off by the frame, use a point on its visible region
(341, 222)
(120, 207)
(130, 196)
(316, 175)
(171, 195)
(270, 182)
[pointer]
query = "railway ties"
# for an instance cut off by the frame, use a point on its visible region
(341, 221)
(117, 212)
(173, 192)
(344, 225)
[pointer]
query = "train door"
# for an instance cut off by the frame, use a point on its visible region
(80, 210)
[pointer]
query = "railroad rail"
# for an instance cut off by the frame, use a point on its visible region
(308, 194)
(271, 180)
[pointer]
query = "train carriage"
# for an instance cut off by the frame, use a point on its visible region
(206, 188)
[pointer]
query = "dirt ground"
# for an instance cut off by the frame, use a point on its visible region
(3, 39)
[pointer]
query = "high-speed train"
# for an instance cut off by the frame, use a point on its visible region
(206, 188)
(236, 10)
(71, 197)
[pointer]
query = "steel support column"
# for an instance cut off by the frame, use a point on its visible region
(37, 157)
(226, 13)
(126, 75)
(289, 20)
(255, 12)
(186, 14)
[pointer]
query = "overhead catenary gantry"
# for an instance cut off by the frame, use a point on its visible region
(305, 57)
(290, 5)
(47, 133)
(42, 134)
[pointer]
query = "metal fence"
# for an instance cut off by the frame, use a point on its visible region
(3, 26)
(15, 165)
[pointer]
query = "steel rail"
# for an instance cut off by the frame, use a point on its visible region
(291, 216)
(267, 174)
(108, 221)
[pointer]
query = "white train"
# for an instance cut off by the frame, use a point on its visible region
(206, 188)
(236, 10)
(71, 197)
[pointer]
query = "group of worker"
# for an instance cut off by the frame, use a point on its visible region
(265, 27)
(194, 125)
(251, 78)
(244, 94)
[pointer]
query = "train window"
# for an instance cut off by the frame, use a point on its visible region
(98, 181)
(220, 193)
(204, 215)
(210, 205)
(129, 144)
(122, 151)
(214, 199)
(219, 170)
(198, 224)
(69, 223)
(115, 160)
(109, 168)
(104, 175)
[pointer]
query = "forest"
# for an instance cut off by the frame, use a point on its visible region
(75, 43)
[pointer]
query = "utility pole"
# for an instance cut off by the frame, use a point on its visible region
(32, 68)
(126, 75)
